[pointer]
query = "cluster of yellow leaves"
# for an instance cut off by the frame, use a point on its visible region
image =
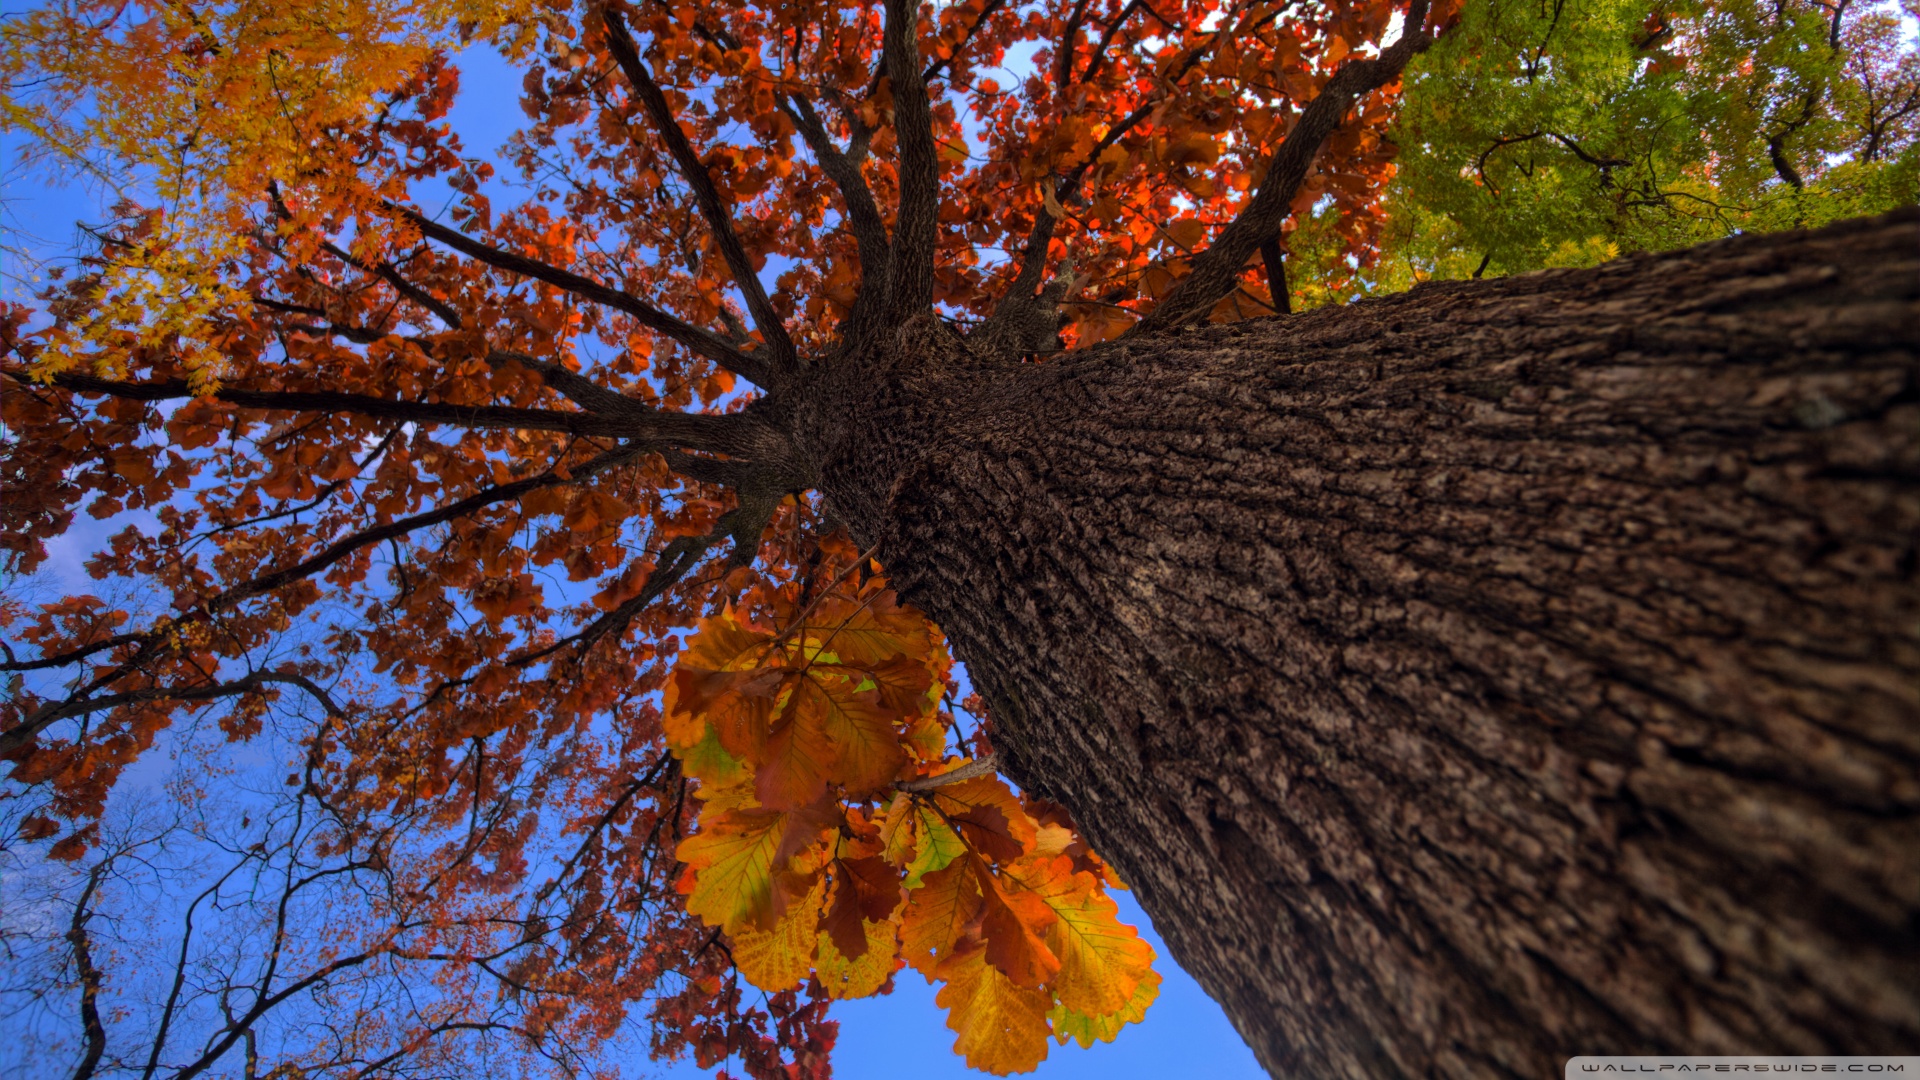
(815, 864)
(199, 113)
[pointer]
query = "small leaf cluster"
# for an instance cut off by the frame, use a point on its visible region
(830, 849)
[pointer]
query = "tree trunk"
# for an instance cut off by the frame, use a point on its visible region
(1472, 678)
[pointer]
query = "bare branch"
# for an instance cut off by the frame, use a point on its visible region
(985, 766)
(20, 734)
(621, 44)
(90, 976)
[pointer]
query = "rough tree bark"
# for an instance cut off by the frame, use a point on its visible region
(1471, 678)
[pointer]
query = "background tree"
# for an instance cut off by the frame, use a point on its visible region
(1564, 134)
(1461, 678)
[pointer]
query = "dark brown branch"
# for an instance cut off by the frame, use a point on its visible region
(18, 735)
(938, 67)
(1063, 65)
(588, 394)
(916, 230)
(571, 385)
(23, 732)
(704, 342)
(744, 525)
(502, 493)
(73, 656)
(1021, 317)
(593, 831)
(1217, 269)
(1276, 263)
(621, 44)
(1106, 39)
(666, 428)
(863, 214)
(90, 976)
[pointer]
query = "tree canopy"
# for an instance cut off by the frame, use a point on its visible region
(515, 685)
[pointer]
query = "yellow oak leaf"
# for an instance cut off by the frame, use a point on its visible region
(707, 761)
(896, 830)
(844, 978)
(732, 860)
(1102, 960)
(1085, 1030)
(782, 957)
(926, 737)
(869, 631)
(866, 749)
(798, 756)
(1002, 1027)
(1013, 922)
(904, 684)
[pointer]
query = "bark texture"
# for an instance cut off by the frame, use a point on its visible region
(1473, 678)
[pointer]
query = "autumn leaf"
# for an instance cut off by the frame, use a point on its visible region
(1086, 1030)
(988, 816)
(937, 844)
(1002, 1026)
(1014, 921)
(781, 957)
(731, 862)
(845, 977)
(938, 917)
(1102, 961)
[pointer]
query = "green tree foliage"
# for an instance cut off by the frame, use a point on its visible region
(1540, 133)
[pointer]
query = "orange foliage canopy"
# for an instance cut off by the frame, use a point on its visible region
(434, 481)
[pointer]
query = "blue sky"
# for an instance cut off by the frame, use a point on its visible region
(905, 1033)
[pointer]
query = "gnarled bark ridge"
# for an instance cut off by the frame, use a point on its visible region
(1476, 677)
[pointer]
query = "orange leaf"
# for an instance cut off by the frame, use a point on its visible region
(988, 816)
(937, 917)
(1012, 922)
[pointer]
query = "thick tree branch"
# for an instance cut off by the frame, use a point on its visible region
(863, 214)
(621, 44)
(916, 230)
(704, 342)
(1064, 48)
(73, 656)
(1217, 269)
(1276, 263)
(599, 400)
(569, 384)
(1106, 39)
